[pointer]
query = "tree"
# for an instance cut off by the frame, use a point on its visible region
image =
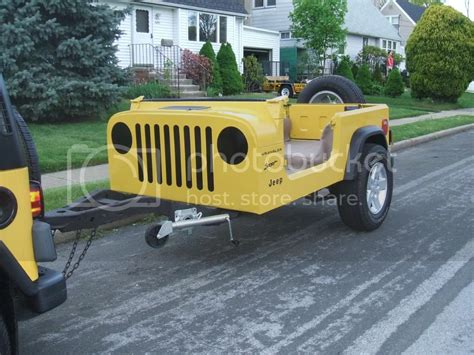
(253, 74)
(59, 60)
(320, 23)
(344, 69)
(216, 83)
(440, 54)
(364, 80)
(394, 86)
(377, 76)
(232, 84)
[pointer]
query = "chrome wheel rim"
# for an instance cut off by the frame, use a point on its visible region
(285, 92)
(326, 97)
(377, 186)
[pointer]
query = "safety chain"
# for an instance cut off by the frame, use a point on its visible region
(68, 273)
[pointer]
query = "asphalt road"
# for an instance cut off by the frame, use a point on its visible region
(300, 281)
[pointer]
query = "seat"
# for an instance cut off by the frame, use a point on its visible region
(304, 154)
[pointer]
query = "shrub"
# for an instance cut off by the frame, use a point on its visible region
(196, 67)
(216, 81)
(394, 86)
(354, 70)
(232, 83)
(440, 54)
(60, 60)
(371, 56)
(151, 90)
(252, 77)
(377, 76)
(364, 80)
(344, 69)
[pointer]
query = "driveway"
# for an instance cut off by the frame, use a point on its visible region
(300, 281)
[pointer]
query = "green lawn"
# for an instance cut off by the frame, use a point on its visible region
(55, 140)
(412, 130)
(61, 196)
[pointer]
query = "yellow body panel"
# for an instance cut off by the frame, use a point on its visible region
(18, 235)
(258, 184)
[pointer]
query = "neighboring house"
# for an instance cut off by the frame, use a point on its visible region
(364, 22)
(403, 15)
(169, 26)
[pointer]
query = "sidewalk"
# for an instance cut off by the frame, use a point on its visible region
(101, 172)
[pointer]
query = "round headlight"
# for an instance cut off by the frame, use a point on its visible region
(8, 207)
(232, 146)
(122, 138)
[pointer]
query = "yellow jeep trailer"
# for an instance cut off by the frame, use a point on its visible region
(283, 86)
(254, 155)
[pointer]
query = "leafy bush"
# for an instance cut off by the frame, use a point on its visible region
(364, 79)
(252, 77)
(216, 81)
(371, 56)
(377, 76)
(151, 90)
(394, 86)
(344, 69)
(440, 54)
(232, 84)
(196, 67)
(354, 69)
(59, 60)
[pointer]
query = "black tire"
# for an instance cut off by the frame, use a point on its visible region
(280, 92)
(352, 195)
(5, 346)
(151, 237)
(343, 87)
(29, 147)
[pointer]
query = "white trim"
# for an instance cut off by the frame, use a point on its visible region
(400, 8)
(258, 29)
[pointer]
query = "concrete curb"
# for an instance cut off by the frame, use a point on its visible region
(430, 137)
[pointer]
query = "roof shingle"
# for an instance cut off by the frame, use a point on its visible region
(236, 6)
(414, 11)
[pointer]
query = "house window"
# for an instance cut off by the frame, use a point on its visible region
(223, 29)
(258, 3)
(394, 20)
(143, 21)
(365, 41)
(271, 2)
(208, 27)
(389, 45)
(285, 35)
(192, 26)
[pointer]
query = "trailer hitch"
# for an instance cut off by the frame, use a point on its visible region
(157, 235)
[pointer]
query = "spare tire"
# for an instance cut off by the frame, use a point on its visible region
(333, 89)
(28, 146)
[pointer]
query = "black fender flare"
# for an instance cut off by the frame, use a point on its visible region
(368, 134)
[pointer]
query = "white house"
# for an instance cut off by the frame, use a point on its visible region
(364, 22)
(173, 25)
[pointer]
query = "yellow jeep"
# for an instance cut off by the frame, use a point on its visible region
(24, 239)
(254, 155)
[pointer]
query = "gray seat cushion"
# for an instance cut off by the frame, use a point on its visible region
(304, 154)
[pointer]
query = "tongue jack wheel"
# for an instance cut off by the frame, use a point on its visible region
(151, 236)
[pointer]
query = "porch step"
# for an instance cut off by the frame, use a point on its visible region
(192, 94)
(186, 88)
(181, 82)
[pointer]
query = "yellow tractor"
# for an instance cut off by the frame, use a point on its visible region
(26, 289)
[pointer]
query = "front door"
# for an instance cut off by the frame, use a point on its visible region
(142, 38)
